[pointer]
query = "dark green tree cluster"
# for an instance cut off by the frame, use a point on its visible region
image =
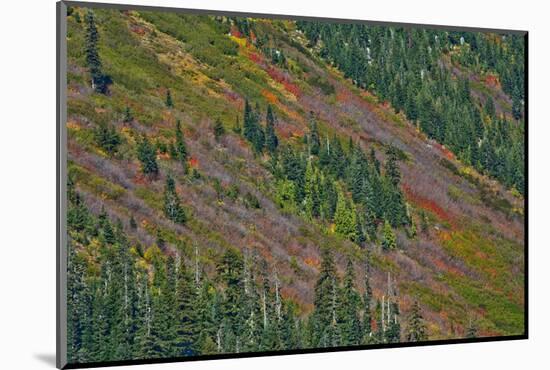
(125, 302)
(107, 138)
(403, 66)
(255, 133)
(344, 187)
(147, 155)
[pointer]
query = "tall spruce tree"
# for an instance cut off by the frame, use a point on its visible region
(187, 325)
(172, 207)
(100, 81)
(147, 155)
(271, 140)
(416, 329)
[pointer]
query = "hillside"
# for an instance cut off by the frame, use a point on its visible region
(239, 150)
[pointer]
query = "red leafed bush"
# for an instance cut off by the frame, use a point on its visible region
(427, 204)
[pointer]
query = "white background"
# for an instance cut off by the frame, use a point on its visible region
(27, 182)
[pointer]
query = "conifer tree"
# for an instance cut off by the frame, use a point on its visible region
(314, 140)
(172, 207)
(186, 313)
(349, 323)
(389, 240)
(271, 140)
(180, 147)
(100, 81)
(323, 318)
(146, 153)
(345, 218)
(416, 329)
(169, 102)
(128, 117)
(219, 130)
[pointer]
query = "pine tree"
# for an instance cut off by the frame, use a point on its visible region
(128, 117)
(147, 155)
(367, 300)
(392, 170)
(416, 329)
(345, 218)
(107, 138)
(100, 81)
(311, 189)
(180, 147)
(172, 207)
(323, 318)
(271, 140)
(186, 313)
(169, 102)
(348, 315)
(314, 140)
(219, 130)
(389, 240)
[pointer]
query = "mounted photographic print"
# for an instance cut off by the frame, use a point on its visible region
(237, 184)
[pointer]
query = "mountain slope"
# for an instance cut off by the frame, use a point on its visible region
(466, 265)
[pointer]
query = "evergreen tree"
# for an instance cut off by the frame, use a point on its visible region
(147, 155)
(186, 314)
(323, 319)
(367, 300)
(314, 140)
(107, 138)
(348, 316)
(180, 147)
(100, 81)
(128, 117)
(271, 140)
(345, 218)
(389, 240)
(172, 207)
(416, 329)
(169, 102)
(219, 130)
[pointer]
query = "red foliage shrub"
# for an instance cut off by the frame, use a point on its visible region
(283, 79)
(193, 162)
(427, 204)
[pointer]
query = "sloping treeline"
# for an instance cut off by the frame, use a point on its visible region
(405, 67)
(126, 301)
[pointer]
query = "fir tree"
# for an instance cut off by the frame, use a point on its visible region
(219, 130)
(314, 140)
(180, 147)
(271, 140)
(147, 155)
(186, 314)
(349, 323)
(389, 240)
(172, 207)
(100, 81)
(416, 329)
(169, 103)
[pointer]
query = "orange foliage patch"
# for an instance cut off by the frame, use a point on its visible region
(140, 179)
(312, 262)
(426, 204)
(492, 80)
(137, 29)
(270, 97)
(442, 266)
(164, 156)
